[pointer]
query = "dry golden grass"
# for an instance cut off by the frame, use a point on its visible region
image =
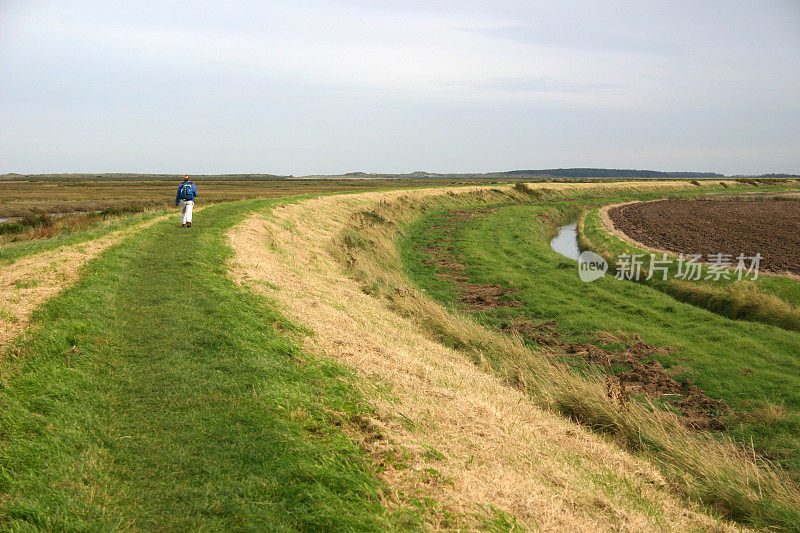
(605, 337)
(768, 413)
(738, 299)
(469, 438)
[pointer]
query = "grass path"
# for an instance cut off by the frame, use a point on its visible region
(12, 251)
(38, 272)
(181, 405)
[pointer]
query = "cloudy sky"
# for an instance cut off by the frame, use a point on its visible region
(302, 87)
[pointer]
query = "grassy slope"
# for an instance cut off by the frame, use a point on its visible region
(698, 465)
(511, 247)
(182, 406)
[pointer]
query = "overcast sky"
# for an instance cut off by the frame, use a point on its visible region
(303, 87)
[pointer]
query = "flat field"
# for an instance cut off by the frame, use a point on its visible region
(770, 228)
(26, 195)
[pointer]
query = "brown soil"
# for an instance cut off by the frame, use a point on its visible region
(771, 228)
(474, 296)
(646, 375)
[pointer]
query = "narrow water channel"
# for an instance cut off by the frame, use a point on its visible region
(566, 242)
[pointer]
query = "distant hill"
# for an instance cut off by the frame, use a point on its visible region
(552, 173)
(608, 173)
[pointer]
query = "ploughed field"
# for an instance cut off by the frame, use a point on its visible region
(769, 227)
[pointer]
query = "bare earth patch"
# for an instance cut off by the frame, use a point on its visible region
(645, 375)
(465, 439)
(474, 296)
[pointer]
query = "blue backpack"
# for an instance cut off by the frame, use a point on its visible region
(186, 192)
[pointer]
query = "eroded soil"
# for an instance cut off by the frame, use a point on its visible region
(474, 296)
(643, 374)
(768, 227)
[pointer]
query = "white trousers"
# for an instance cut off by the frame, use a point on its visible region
(186, 211)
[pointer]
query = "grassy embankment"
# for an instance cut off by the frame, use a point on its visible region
(760, 383)
(155, 393)
(510, 247)
(135, 434)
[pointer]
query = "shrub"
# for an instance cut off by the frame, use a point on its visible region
(118, 211)
(12, 228)
(37, 221)
(524, 189)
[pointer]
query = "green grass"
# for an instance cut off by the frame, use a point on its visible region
(749, 365)
(185, 403)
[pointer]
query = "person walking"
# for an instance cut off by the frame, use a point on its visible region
(187, 192)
